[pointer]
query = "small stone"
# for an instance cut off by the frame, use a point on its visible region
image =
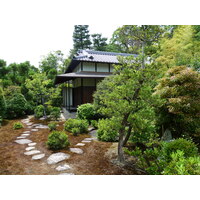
(25, 135)
(86, 141)
(42, 118)
(29, 148)
(80, 144)
(32, 144)
(34, 130)
(26, 132)
(23, 141)
(29, 153)
(29, 124)
(66, 174)
(21, 137)
(38, 157)
(57, 157)
(63, 167)
(42, 126)
(89, 139)
(76, 150)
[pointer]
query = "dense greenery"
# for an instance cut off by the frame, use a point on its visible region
(86, 111)
(58, 140)
(17, 125)
(52, 126)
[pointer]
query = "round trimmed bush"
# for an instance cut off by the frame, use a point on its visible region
(58, 140)
(18, 125)
(52, 126)
(86, 111)
(187, 147)
(39, 111)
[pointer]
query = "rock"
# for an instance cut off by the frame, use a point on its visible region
(41, 126)
(93, 133)
(57, 157)
(89, 139)
(29, 124)
(38, 157)
(35, 130)
(86, 141)
(90, 129)
(42, 118)
(76, 150)
(32, 144)
(63, 167)
(80, 144)
(25, 135)
(27, 132)
(21, 137)
(29, 153)
(23, 141)
(66, 174)
(29, 148)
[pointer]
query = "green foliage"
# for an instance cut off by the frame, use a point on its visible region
(86, 111)
(58, 140)
(2, 102)
(82, 125)
(107, 130)
(187, 147)
(1, 120)
(179, 90)
(181, 165)
(55, 113)
(94, 123)
(52, 126)
(17, 125)
(99, 42)
(75, 131)
(39, 111)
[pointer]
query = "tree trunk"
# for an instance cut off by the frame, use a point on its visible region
(120, 148)
(127, 136)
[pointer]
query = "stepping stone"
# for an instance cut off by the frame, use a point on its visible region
(27, 132)
(63, 167)
(90, 129)
(29, 124)
(80, 144)
(35, 130)
(66, 174)
(76, 150)
(23, 141)
(25, 135)
(89, 139)
(21, 137)
(42, 126)
(29, 153)
(57, 157)
(86, 141)
(38, 157)
(32, 144)
(93, 133)
(42, 118)
(29, 148)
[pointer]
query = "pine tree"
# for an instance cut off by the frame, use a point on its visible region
(99, 42)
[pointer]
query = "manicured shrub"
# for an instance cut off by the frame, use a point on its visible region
(188, 147)
(82, 125)
(39, 111)
(94, 123)
(75, 131)
(180, 165)
(107, 130)
(86, 111)
(52, 126)
(18, 125)
(55, 113)
(58, 140)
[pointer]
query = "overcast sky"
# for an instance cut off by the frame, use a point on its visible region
(30, 29)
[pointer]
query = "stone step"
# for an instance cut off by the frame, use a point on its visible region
(29, 153)
(57, 157)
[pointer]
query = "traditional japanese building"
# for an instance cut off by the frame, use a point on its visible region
(82, 75)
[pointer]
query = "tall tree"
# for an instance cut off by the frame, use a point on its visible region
(98, 42)
(81, 37)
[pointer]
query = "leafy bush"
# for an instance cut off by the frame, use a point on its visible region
(52, 126)
(82, 125)
(57, 140)
(16, 106)
(188, 147)
(180, 165)
(107, 130)
(94, 123)
(18, 125)
(86, 111)
(39, 111)
(75, 131)
(1, 120)
(55, 113)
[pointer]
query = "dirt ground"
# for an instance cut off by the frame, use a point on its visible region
(97, 158)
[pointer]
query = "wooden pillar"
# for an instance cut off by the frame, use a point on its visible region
(81, 90)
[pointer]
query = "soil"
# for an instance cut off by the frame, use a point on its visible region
(98, 157)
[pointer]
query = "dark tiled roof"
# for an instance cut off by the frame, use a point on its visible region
(69, 76)
(95, 56)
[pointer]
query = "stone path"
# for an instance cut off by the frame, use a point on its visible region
(55, 158)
